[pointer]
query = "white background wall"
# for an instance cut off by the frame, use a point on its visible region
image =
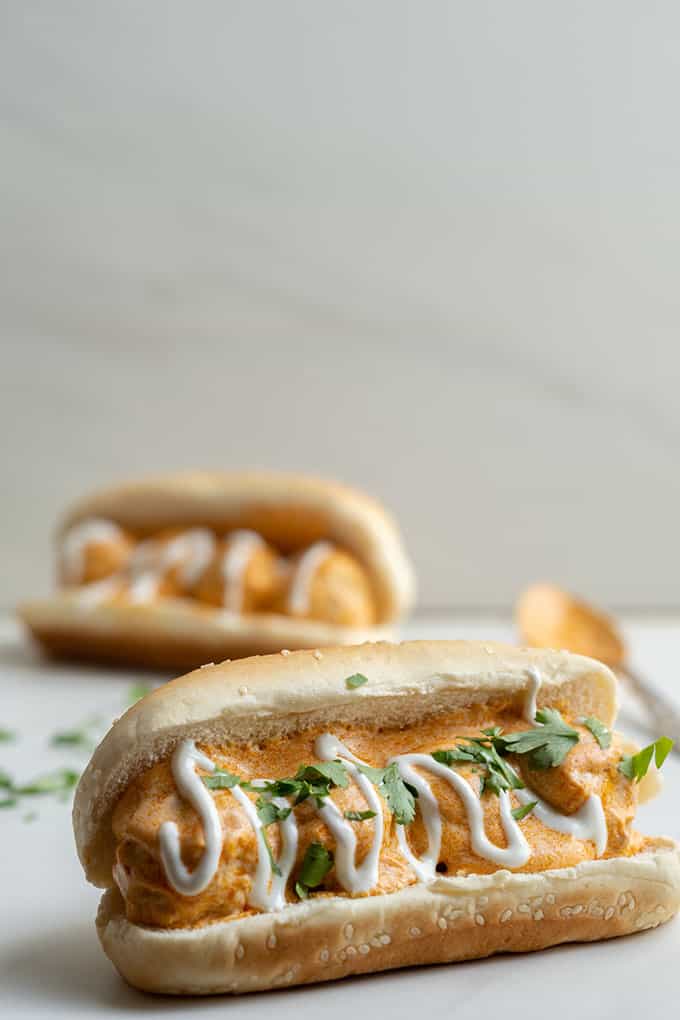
(431, 248)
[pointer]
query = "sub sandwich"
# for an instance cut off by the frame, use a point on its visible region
(302, 817)
(175, 571)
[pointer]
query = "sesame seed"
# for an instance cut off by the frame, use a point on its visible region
(285, 651)
(385, 940)
(441, 923)
(505, 916)
(240, 952)
(415, 932)
(348, 931)
(480, 919)
(538, 915)
(364, 948)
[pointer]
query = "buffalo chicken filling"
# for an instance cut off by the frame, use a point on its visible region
(574, 767)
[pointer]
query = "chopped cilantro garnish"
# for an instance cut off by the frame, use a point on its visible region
(496, 773)
(275, 868)
(316, 864)
(636, 766)
(519, 813)
(220, 779)
(268, 812)
(58, 781)
(359, 816)
(399, 796)
(356, 680)
(6, 736)
(599, 731)
(72, 738)
(136, 692)
(547, 745)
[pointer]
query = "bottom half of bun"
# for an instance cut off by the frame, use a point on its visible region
(174, 634)
(326, 937)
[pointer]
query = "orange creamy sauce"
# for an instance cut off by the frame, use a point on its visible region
(153, 798)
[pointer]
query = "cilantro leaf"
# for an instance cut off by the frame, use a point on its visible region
(399, 796)
(599, 731)
(547, 745)
(359, 816)
(136, 692)
(6, 736)
(58, 781)
(5, 781)
(72, 738)
(356, 680)
(268, 812)
(521, 812)
(333, 772)
(220, 779)
(275, 868)
(636, 766)
(497, 775)
(316, 864)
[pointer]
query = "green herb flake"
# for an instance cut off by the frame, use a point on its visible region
(482, 755)
(546, 745)
(268, 812)
(599, 731)
(7, 736)
(399, 796)
(636, 766)
(136, 692)
(519, 813)
(275, 868)
(331, 772)
(359, 816)
(7, 802)
(220, 779)
(71, 738)
(316, 864)
(61, 780)
(356, 680)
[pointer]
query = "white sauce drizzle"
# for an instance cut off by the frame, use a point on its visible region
(241, 545)
(307, 566)
(352, 878)
(533, 688)
(588, 822)
(192, 788)
(268, 891)
(76, 540)
(514, 855)
(96, 592)
(192, 551)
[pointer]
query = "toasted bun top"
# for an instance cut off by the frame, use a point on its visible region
(289, 510)
(272, 696)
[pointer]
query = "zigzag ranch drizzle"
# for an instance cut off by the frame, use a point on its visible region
(101, 562)
(270, 884)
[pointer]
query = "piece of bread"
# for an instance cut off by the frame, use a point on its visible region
(291, 512)
(330, 936)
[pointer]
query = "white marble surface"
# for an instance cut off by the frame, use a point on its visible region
(51, 964)
(428, 248)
